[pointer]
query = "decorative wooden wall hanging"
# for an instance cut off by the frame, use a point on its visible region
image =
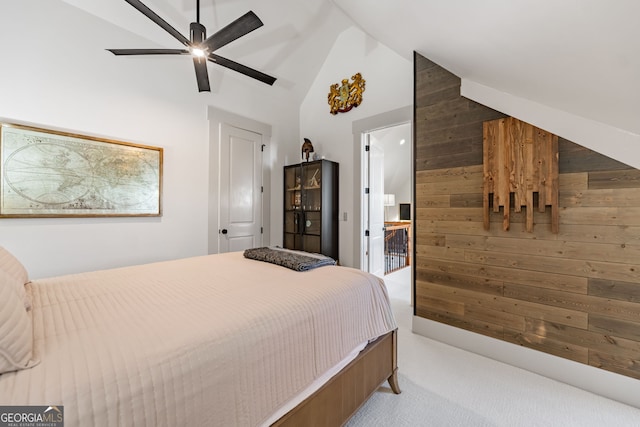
(344, 96)
(521, 159)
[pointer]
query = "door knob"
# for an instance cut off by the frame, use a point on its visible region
(224, 231)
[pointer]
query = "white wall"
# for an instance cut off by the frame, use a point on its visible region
(56, 74)
(389, 86)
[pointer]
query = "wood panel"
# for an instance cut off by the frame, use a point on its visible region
(519, 160)
(625, 291)
(624, 365)
(614, 179)
(449, 187)
(620, 235)
(450, 147)
(611, 215)
(480, 284)
(458, 173)
(484, 328)
(626, 253)
(614, 327)
(566, 266)
(583, 338)
(447, 123)
(623, 197)
(481, 301)
(574, 158)
(466, 200)
(425, 199)
(574, 294)
(595, 306)
(542, 279)
(543, 343)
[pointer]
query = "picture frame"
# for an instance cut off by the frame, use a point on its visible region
(405, 211)
(48, 173)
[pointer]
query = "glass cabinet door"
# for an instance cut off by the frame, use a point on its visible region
(312, 221)
(293, 189)
(312, 186)
(311, 207)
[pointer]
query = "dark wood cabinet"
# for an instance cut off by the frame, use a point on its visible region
(311, 207)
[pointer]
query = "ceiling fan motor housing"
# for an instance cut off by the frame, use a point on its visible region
(198, 33)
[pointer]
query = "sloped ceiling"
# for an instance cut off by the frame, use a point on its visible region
(578, 56)
(581, 57)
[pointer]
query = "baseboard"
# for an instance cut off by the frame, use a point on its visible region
(604, 383)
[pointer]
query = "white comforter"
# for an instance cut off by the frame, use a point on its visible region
(214, 340)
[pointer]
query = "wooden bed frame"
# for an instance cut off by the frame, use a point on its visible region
(337, 400)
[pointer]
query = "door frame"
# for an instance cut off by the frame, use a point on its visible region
(359, 129)
(216, 118)
(373, 244)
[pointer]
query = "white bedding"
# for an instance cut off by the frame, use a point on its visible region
(213, 340)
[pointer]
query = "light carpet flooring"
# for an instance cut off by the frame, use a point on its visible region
(461, 388)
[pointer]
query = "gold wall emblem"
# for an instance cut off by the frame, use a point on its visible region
(343, 97)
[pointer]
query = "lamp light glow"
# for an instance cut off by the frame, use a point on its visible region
(389, 199)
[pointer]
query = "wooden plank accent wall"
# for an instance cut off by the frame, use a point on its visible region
(575, 294)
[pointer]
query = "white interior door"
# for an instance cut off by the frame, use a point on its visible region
(376, 210)
(240, 204)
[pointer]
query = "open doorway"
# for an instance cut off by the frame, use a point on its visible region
(362, 130)
(387, 203)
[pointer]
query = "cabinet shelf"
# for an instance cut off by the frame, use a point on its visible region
(305, 188)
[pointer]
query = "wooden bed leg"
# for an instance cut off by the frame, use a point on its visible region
(393, 382)
(393, 379)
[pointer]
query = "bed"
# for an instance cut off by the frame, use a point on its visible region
(211, 340)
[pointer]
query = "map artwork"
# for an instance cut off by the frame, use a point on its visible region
(46, 173)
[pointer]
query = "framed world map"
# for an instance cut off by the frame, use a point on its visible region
(46, 173)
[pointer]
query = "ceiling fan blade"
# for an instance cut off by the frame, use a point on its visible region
(243, 69)
(238, 28)
(158, 20)
(148, 51)
(200, 64)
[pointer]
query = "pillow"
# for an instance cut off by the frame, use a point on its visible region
(14, 269)
(16, 328)
(10, 265)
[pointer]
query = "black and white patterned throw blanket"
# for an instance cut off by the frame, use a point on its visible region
(295, 260)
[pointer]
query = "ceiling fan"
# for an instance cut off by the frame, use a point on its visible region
(201, 47)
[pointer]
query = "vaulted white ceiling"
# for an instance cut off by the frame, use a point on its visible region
(578, 56)
(568, 66)
(291, 46)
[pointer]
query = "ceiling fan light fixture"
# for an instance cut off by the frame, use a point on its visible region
(201, 47)
(199, 52)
